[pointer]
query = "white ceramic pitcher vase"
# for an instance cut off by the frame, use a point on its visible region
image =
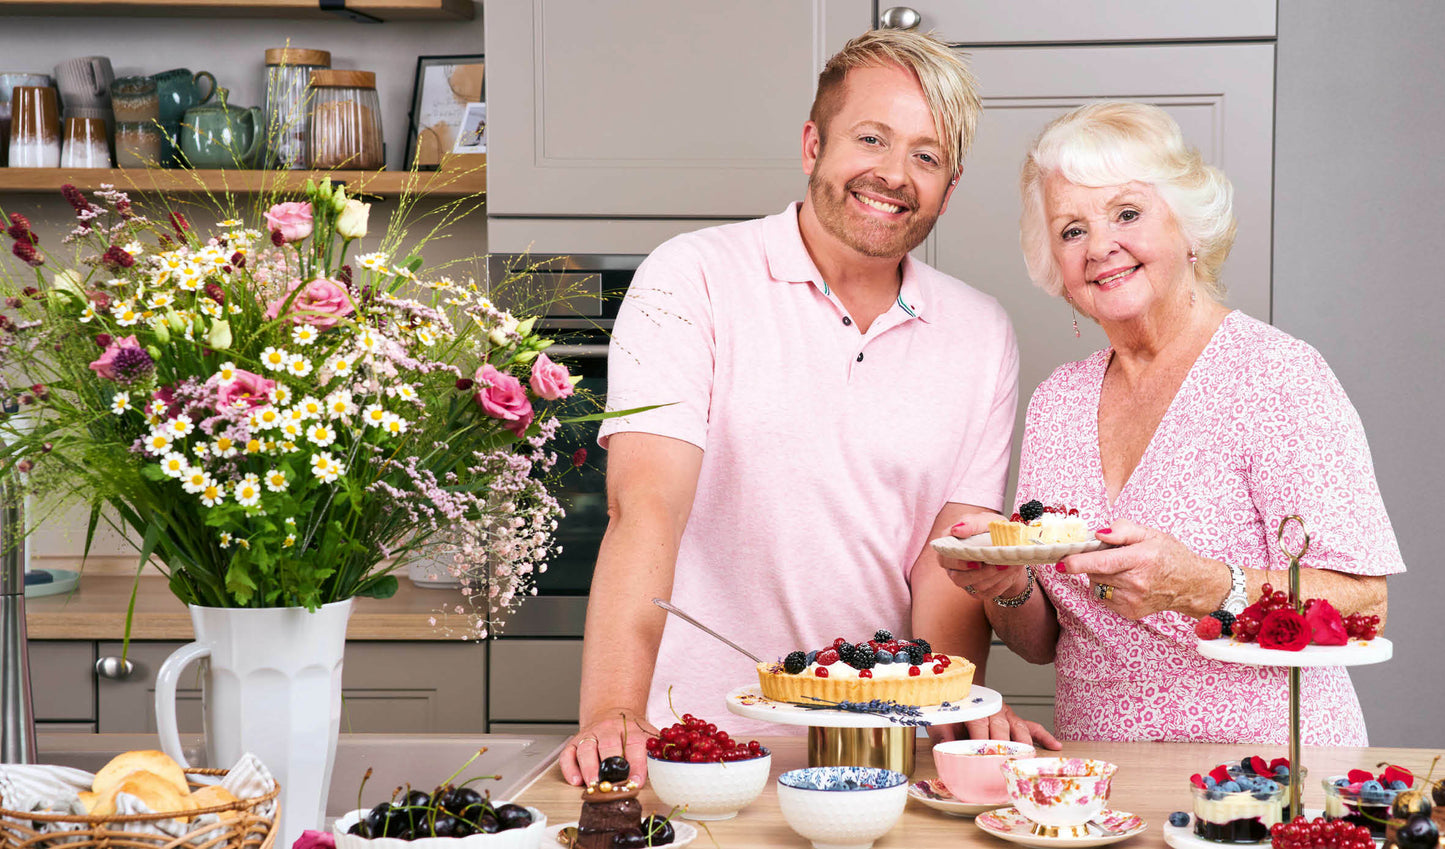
(271, 685)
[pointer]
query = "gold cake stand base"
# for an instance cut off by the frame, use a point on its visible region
(891, 748)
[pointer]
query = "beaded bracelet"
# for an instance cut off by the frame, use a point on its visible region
(1018, 600)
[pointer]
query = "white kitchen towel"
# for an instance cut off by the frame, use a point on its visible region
(249, 778)
(41, 787)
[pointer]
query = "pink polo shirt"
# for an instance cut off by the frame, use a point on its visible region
(827, 453)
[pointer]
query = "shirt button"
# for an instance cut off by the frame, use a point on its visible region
(860, 356)
(847, 322)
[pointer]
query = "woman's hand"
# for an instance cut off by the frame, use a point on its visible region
(1149, 571)
(603, 739)
(982, 580)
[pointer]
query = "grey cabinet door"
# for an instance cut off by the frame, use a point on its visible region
(1222, 96)
(1065, 21)
(534, 681)
(654, 107)
(62, 680)
(387, 687)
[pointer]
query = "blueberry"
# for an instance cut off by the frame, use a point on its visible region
(900, 656)
(1267, 786)
(1342, 782)
(812, 656)
(1179, 819)
(1246, 767)
(1209, 782)
(883, 656)
(1372, 786)
(1213, 795)
(1230, 787)
(1281, 772)
(1397, 784)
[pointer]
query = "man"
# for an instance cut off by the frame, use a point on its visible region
(833, 405)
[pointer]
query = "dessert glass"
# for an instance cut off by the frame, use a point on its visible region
(1370, 810)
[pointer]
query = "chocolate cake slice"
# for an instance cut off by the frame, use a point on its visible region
(604, 813)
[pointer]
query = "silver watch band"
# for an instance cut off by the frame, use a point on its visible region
(1237, 598)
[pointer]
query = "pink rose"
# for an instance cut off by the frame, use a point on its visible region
(549, 380)
(292, 220)
(247, 390)
(1327, 627)
(105, 366)
(320, 304)
(502, 397)
(311, 839)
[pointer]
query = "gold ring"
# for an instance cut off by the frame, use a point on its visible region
(581, 740)
(1103, 592)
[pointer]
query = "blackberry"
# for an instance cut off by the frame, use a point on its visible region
(795, 662)
(863, 657)
(1031, 510)
(846, 652)
(927, 649)
(1226, 622)
(883, 635)
(915, 654)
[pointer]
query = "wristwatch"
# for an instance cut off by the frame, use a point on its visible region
(1237, 599)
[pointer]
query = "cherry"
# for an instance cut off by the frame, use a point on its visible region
(514, 816)
(614, 769)
(658, 830)
(629, 838)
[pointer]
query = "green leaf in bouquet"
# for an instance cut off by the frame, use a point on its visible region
(384, 586)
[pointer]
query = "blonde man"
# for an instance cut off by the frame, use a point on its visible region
(833, 405)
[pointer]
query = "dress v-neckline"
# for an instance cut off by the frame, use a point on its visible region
(1111, 506)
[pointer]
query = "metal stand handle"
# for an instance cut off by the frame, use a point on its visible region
(1295, 783)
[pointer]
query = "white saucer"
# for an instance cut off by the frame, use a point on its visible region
(683, 834)
(928, 793)
(1014, 827)
(1353, 653)
(977, 548)
(749, 702)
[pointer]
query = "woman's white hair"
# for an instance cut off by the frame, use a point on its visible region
(1113, 142)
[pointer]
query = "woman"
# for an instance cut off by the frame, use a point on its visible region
(1185, 443)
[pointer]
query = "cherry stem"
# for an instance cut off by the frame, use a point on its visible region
(451, 777)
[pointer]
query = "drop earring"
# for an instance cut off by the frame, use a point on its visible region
(1075, 314)
(1193, 260)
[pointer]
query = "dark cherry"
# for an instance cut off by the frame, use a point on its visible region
(418, 799)
(614, 769)
(377, 817)
(630, 838)
(1418, 832)
(513, 816)
(445, 825)
(1438, 793)
(463, 828)
(658, 830)
(487, 824)
(359, 829)
(461, 800)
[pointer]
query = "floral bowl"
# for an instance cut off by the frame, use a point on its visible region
(970, 768)
(842, 807)
(1058, 792)
(708, 791)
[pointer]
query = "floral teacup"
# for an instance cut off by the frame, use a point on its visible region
(1058, 792)
(970, 768)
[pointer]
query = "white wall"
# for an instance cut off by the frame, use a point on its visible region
(1359, 211)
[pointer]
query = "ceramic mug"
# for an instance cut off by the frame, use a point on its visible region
(970, 769)
(178, 90)
(8, 81)
(35, 128)
(84, 81)
(134, 99)
(137, 145)
(86, 144)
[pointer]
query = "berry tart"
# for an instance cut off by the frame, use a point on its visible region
(883, 668)
(1363, 798)
(1239, 802)
(1035, 524)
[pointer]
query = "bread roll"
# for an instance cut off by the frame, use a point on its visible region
(149, 760)
(213, 795)
(157, 793)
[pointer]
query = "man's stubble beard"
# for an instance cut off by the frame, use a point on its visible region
(875, 239)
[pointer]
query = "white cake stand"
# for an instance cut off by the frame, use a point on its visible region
(845, 738)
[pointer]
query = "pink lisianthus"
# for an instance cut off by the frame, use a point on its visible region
(320, 304)
(312, 839)
(105, 366)
(502, 397)
(549, 380)
(291, 219)
(246, 390)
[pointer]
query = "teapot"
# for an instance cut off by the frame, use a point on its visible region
(218, 135)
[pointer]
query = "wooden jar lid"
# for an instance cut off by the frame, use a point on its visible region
(343, 79)
(298, 56)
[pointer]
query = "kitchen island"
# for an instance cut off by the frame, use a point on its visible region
(1152, 781)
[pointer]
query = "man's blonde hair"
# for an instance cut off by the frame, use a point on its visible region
(948, 85)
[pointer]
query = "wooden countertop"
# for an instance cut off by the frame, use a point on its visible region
(96, 611)
(1152, 781)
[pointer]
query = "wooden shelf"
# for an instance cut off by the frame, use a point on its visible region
(385, 10)
(459, 182)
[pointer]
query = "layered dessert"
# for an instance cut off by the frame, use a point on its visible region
(609, 806)
(1035, 524)
(907, 672)
(1238, 802)
(1363, 798)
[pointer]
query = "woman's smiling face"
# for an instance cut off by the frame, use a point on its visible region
(1119, 249)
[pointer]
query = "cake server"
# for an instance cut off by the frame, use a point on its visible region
(670, 608)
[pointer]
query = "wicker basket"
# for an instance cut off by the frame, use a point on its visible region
(249, 830)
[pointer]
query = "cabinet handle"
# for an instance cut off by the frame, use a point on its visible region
(114, 668)
(900, 17)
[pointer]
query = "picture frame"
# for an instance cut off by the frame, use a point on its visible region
(442, 91)
(472, 132)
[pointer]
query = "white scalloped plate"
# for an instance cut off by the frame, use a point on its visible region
(1014, 827)
(1353, 653)
(749, 702)
(978, 549)
(683, 834)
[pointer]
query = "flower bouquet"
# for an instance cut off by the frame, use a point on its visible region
(276, 422)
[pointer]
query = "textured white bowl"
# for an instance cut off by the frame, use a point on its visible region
(710, 791)
(513, 838)
(841, 818)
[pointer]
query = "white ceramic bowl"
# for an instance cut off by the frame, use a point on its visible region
(842, 807)
(708, 791)
(514, 838)
(1059, 792)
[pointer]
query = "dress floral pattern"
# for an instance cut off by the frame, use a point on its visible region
(1260, 429)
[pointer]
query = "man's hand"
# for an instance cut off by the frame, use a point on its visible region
(1007, 725)
(982, 580)
(603, 739)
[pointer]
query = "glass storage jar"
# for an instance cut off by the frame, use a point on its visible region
(345, 120)
(288, 84)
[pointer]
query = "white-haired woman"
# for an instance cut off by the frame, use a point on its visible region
(1185, 443)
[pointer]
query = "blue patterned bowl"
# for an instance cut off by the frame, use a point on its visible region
(842, 807)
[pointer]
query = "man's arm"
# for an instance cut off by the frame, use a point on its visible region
(651, 481)
(956, 622)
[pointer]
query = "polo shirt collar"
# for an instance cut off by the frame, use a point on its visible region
(788, 260)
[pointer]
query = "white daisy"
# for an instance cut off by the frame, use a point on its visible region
(289, 541)
(156, 407)
(374, 415)
(303, 334)
(326, 467)
(87, 314)
(226, 373)
(229, 223)
(212, 493)
(181, 426)
(175, 465)
(134, 248)
(373, 261)
(120, 404)
(194, 480)
(339, 405)
(276, 480)
(266, 418)
(426, 337)
(394, 424)
(248, 491)
(189, 277)
(320, 435)
(311, 407)
(209, 307)
(225, 539)
(404, 391)
(274, 359)
(292, 430)
(299, 366)
(367, 341)
(158, 443)
(161, 300)
(225, 446)
(125, 314)
(339, 365)
(253, 446)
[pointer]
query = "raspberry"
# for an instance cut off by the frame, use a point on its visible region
(827, 657)
(865, 673)
(937, 669)
(1208, 628)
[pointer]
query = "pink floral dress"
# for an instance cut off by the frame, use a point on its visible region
(1260, 429)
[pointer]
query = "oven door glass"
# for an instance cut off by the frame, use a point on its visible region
(581, 490)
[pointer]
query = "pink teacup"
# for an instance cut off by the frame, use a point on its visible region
(1059, 792)
(970, 769)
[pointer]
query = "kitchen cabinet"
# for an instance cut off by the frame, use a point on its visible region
(654, 108)
(380, 10)
(976, 22)
(532, 682)
(62, 683)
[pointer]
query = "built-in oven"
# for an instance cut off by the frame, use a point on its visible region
(576, 297)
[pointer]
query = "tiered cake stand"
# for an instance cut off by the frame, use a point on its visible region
(846, 738)
(1355, 653)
